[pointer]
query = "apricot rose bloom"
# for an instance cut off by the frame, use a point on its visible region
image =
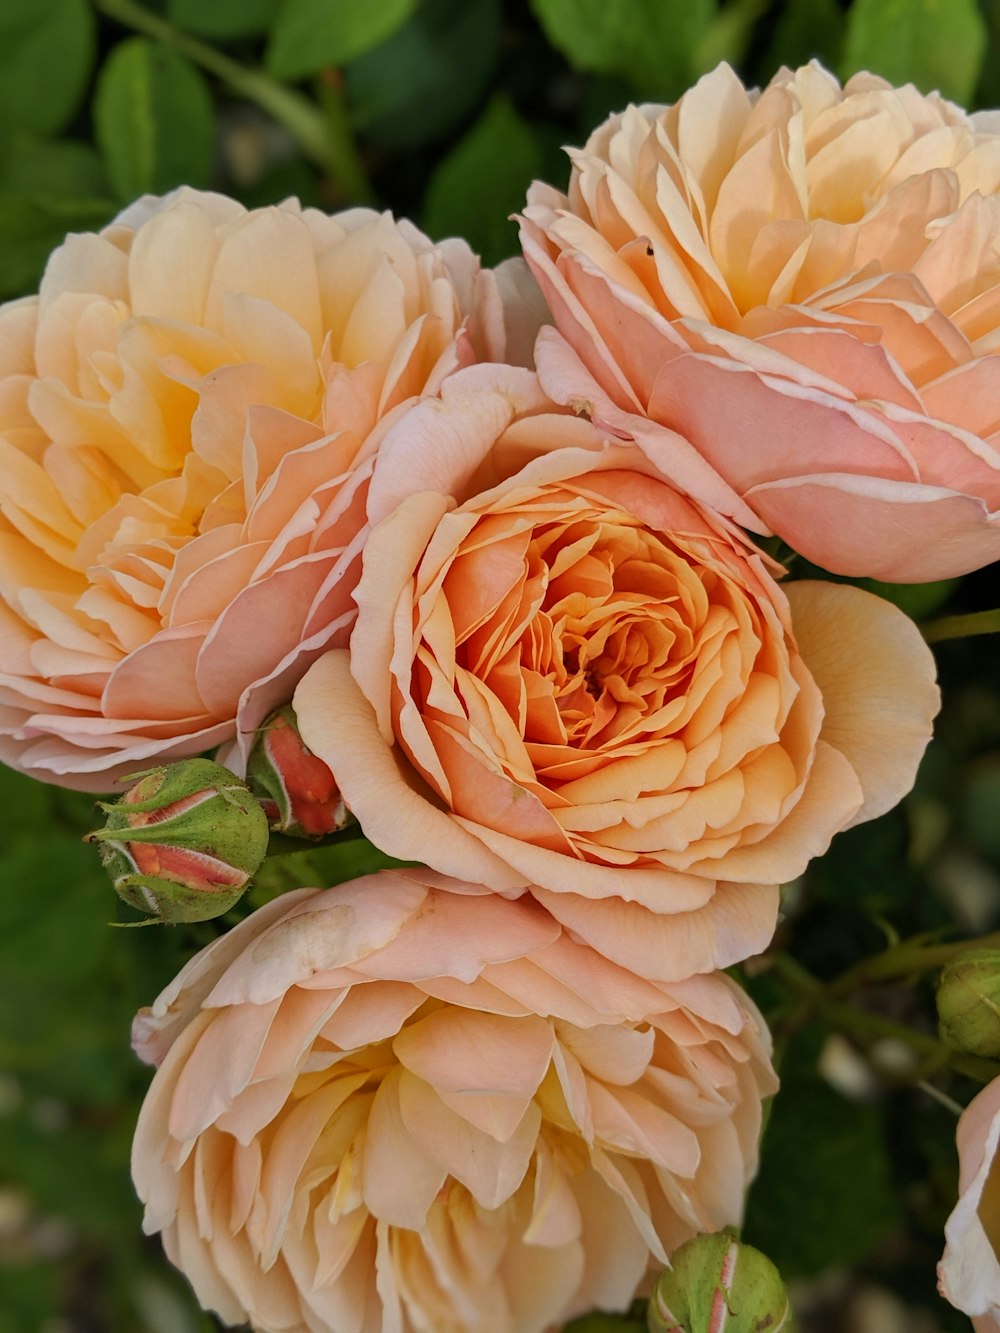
(566, 675)
(189, 410)
(805, 283)
(969, 1272)
(407, 1103)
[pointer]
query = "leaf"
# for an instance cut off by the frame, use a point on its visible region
(652, 43)
(154, 119)
(46, 189)
(483, 180)
(46, 55)
(806, 30)
(223, 19)
(824, 1195)
(312, 34)
(936, 44)
(430, 74)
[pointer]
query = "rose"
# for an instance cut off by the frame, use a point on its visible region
(566, 675)
(969, 1272)
(804, 283)
(188, 415)
(409, 1103)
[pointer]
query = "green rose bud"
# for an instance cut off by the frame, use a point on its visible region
(296, 789)
(183, 843)
(968, 1003)
(715, 1284)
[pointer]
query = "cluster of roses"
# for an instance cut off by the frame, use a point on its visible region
(492, 537)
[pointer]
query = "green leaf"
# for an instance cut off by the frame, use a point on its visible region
(653, 43)
(824, 1195)
(936, 44)
(222, 20)
(806, 30)
(46, 189)
(729, 34)
(311, 34)
(154, 119)
(483, 180)
(423, 82)
(46, 55)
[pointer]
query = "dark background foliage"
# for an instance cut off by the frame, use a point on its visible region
(444, 110)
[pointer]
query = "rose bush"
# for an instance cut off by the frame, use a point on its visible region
(188, 415)
(805, 283)
(564, 674)
(969, 1272)
(407, 1103)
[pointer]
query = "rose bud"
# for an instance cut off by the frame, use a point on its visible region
(295, 788)
(715, 1283)
(183, 843)
(968, 1003)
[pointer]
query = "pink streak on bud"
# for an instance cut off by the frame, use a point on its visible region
(181, 865)
(720, 1312)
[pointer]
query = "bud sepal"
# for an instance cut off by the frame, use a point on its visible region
(968, 1003)
(716, 1284)
(183, 843)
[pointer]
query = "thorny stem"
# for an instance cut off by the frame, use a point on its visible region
(320, 133)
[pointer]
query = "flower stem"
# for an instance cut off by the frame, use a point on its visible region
(910, 958)
(323, 141)
(962, 627)
(815, 1000)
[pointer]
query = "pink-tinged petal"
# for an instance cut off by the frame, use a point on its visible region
(737, 922)
(895, 531)
(567, 380)
(319, 935)
(392, 1154)
(490, 1170)
(459, 1052)
(877, 678)
(436, 1175)
(208, 388)
(969, 1271)
(337, 723)
(454, 937)
(829, 257)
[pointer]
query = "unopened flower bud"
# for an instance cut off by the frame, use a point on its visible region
(968, 1003)
(295, 788)
(183, 843)
(716, 1283)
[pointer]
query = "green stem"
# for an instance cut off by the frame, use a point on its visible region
(329, 147)
(909, 959)
(865, 1027)
(962, 627)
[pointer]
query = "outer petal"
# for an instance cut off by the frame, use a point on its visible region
(877, 678)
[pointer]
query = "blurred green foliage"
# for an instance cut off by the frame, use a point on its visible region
(442, 110)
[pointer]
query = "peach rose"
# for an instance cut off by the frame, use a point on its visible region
(805, 283)
(189, 410)
(564, 674)
(969, 1272)
(407, 1103)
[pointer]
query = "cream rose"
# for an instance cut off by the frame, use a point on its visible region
(805, 283)
(564, 674)
(969, 1272)
(407, 1103)
(188, 416)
